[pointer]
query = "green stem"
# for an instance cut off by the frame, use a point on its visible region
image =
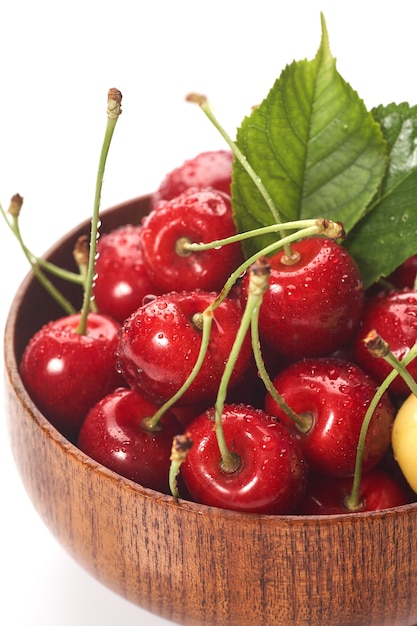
(353, 502)
(44, 281)
(205, 107)
(399, 367)
(81, 258)
(303, 423)
(35, 262)
(174, 470)
(272, 228)
(59, 272)
(181, 445)
(113, 113)
(151, 423)
(51, 268)
(258, 285)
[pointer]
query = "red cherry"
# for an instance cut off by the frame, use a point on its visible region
(66, 373)
(159, 345)
(271, 475)
(122, 281)
(194, 217)
(394, 317)
(113, 434)
(186, 413)
(333, 396)
(326, 495)
(314, 303)
(404, 277)
(212, 168)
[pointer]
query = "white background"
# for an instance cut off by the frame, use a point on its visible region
(57, 62)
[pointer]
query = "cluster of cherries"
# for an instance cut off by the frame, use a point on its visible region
(237, 385)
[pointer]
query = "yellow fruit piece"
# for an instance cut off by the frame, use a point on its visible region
(404, 440)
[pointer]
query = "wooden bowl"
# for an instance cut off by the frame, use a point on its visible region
(190, 563)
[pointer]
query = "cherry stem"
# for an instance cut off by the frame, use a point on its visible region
(181, 445)
(33, 259)
(302, 422)
(206, 316)
(353, 502)
(114, 99)
(59, 272)
(203, 103)
(379, 348)
(189, 246)
(81, 258)
(14, 210)
(258, 284)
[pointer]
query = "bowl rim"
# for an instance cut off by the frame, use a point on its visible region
(11, 368)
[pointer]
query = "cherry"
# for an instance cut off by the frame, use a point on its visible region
(393, 316)
(315, 300)
(212, 168)
(404, 277)
(114, 433)
(186, 413)
(270, 475)
(193, 217)
(66, 373)
(327, 495)
(331, 397)
(122, 281)
(160, 342)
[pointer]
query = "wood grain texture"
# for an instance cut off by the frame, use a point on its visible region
(196, 565)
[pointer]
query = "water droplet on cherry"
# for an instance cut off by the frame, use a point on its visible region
(150, 297)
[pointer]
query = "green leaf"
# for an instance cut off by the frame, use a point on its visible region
(315, 147)
(387, 235)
